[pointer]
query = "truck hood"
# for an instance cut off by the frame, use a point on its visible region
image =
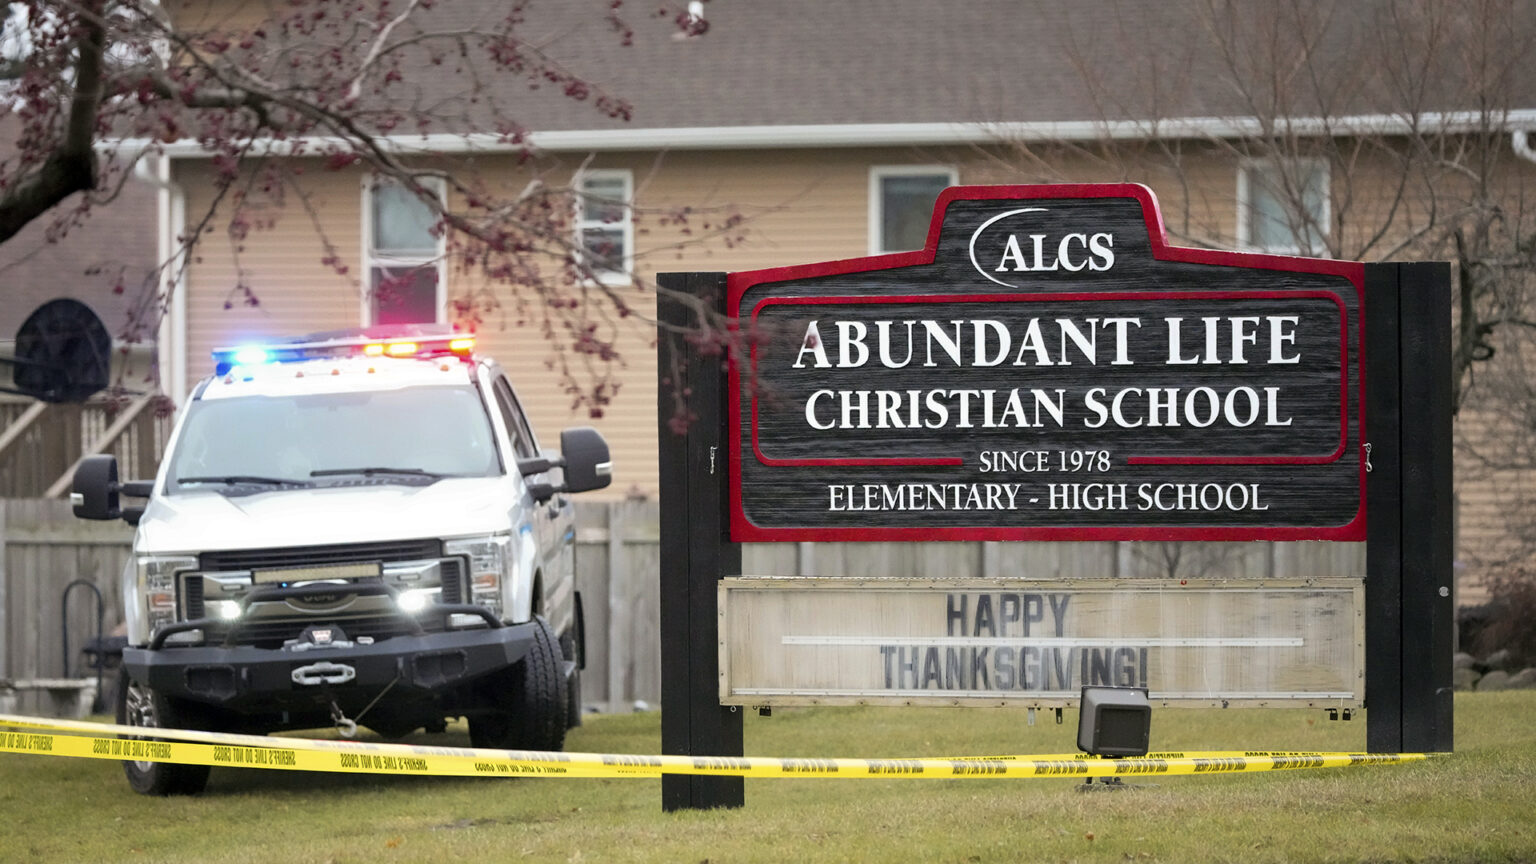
(205, 520)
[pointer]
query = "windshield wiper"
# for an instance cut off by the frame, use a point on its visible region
(375, 470)
(243, 480)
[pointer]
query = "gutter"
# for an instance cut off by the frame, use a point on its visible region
(888, 134)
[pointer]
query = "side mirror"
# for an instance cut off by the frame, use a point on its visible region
(96, 491)
(95, 488)
(587, 463)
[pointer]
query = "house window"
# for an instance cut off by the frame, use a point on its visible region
(404, 256)
(901, 205)
(604, 225)
(1283, 205)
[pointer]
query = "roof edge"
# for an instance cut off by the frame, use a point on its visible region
(893, 134)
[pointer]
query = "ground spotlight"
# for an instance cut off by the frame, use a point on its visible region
(1114, 721)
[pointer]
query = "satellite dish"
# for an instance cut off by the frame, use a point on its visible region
(63, 353)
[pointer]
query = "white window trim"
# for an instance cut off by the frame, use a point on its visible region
(1245, 228)
(626, 225)
(876, 208)
(370, 260)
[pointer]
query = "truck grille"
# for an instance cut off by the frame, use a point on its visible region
(192, 596)
(272, 632)
(309, 556)
(453, 580)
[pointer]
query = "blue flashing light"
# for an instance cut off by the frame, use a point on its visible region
(252, 356)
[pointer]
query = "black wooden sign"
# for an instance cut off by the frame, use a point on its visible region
(1049, 367)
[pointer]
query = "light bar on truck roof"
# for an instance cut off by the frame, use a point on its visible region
(347, 344)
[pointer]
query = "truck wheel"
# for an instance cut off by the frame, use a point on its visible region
(138, 705)
(530, 714)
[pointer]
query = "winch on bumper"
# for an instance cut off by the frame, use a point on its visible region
(241, 678)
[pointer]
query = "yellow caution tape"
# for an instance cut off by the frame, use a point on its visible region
(189, 747)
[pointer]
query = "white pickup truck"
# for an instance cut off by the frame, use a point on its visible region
(351, 528)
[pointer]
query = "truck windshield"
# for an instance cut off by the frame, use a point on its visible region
(410, 435)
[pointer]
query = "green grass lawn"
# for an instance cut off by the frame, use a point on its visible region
(1477, 805)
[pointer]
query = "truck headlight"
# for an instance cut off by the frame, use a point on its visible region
(157, 586)
(416, 599)
(490, 567)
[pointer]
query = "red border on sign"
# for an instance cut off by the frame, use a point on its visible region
(737, 284)
(757, 449)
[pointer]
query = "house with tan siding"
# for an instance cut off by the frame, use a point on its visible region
(830, 128)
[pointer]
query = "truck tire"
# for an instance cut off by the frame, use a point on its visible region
(139, 705)
(531, 706)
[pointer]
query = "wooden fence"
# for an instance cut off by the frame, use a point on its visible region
(43, 548)
(40, 443)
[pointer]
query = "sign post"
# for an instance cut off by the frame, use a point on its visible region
(1049, 367)
(696, 551)
(1410, 613)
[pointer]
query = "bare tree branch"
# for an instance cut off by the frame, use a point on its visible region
(71, 166)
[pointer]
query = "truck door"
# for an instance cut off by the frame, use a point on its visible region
(552, 519)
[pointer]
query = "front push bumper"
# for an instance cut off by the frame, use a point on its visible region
(248, 679)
